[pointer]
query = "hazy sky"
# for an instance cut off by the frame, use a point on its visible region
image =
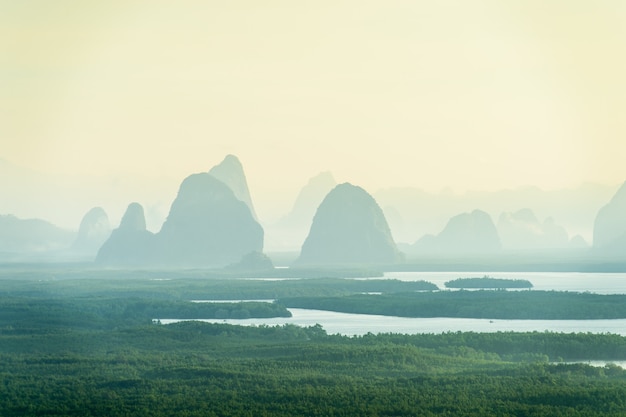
(462, 94)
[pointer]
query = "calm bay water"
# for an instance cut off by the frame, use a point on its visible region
(359, 324)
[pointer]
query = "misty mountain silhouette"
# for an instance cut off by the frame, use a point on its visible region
(130, 243)
(31, 235)
(93, 231)
(466, 233)
(230, 172)
(578, 242)
(253, 261)
(523, 231)
(609, 229)
(289, 232)
(349, 228)
(419, 212)
(309, 199)
(208, 225)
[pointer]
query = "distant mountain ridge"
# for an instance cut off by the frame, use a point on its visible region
(408, 213)
(418, 212)
(32, 235)
(464, 234)
(63, 199)
(522, 230)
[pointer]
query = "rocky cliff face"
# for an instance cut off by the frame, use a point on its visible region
(208, 225)
(609, 229)
(466, 233)
(130, 243)
(94, 230)
(349, 228)
(230, 172)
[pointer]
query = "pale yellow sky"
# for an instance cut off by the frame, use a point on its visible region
(431, 94)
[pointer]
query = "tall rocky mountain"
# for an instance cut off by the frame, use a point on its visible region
(522, 230)
(609, 229)
(93, 231)
(230, 172)
(208, 225)
(464, 234)
(349, 228)
(131, 243)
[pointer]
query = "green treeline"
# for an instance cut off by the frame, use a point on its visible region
(488, 282)
(523, 305)
(29, 314)
(173, 285)
(201, 369)
(513, 346)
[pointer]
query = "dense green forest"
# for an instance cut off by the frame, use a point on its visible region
(185, 284)
(201, 369)
(522, 305)
(488, 283)
(81, 345)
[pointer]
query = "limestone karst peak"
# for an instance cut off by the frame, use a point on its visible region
(349, 228)
(230, 172)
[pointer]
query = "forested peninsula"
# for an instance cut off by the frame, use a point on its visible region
(511, 305)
